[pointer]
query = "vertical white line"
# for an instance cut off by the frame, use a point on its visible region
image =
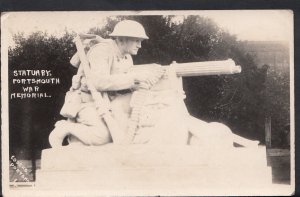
(292, 102)
(4, 103)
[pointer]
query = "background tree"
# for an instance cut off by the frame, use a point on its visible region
(31, 120)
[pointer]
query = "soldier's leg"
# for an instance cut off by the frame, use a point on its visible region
(244, 142)
(57, 135)
(92, 130)
(89, 129)
(87, 135)
(209, 134)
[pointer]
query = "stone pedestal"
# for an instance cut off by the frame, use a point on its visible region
(155, 170)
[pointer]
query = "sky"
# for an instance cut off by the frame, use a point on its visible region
(260, 25)
(255, 25)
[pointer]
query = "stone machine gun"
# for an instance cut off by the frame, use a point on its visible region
(201, 68)
(179, 69)
(175, 71)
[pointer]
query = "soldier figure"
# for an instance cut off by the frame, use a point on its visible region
(110, 60)
(163, 117)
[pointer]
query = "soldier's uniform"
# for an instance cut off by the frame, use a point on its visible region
(161, 117)
(109, 73)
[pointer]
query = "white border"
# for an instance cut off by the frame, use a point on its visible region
(4, 109)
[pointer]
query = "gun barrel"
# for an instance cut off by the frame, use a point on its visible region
(206, 68)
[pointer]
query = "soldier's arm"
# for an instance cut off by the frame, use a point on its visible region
(100, 61)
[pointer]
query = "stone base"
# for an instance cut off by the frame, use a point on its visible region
(159, 170)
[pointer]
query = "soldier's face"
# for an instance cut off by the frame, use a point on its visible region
(132, 45)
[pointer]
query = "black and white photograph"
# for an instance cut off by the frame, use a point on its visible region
(148, 103)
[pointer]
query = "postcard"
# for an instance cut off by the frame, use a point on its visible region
(197, 102)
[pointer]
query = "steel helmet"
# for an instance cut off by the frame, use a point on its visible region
(129, 28)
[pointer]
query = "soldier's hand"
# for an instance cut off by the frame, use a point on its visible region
(156, 74)
(150, 76)
(142, 82)
(143, 85)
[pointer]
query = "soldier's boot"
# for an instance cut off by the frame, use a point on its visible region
(58, 134)
(245, 142)
(217, 132)
(87, 135)
(209, 134)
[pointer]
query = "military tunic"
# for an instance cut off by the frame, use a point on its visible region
(162, 106)
(109, 73)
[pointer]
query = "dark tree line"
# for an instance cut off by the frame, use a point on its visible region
(31, 120)
(241, 101)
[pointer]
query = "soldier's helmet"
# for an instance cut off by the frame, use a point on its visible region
(129, 28)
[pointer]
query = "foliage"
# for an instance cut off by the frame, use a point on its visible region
(278, 97)
(31, 120)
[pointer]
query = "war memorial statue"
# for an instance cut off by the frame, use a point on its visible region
(145, 101)
(128, 121)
